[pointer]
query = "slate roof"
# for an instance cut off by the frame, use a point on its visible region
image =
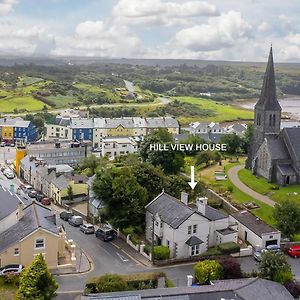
(268, 98)
(82, 123)
(253, 223)
(35, 216)
(226, 231)
(193, 240)
(286, 170)
(277, 147)
(8, 202)
(233, 289)
(292, 138)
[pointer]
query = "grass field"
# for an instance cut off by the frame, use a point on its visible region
(8, 104)
(62, 101)
(223, 112)
(263, 187)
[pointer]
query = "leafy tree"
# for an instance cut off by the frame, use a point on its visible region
(203, 157)
(92, 162)
(194, 140)
(207, 270)
(231, 268)
(272, 265)
(36, 282)
(123, 196)
(233, 141)
(287, 217)
(70, 193)
(111, 283)
(161, 252)
(246, 139)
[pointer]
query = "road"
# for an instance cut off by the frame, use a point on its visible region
(233, 176)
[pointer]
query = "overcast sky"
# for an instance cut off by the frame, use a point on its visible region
(216, 29)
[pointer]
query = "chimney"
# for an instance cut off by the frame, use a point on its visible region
(184, 198)
(20, 212)
(201, 204)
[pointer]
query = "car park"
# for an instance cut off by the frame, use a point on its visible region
(16, 269)
(75, 221)
(9, 173)
(105, 233)
(66, 215)
(87, 228)
(46, 201)
(294, 251)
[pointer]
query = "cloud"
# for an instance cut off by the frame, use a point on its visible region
(6, 6)
(224, 31)
(159, 13)
(99, 38)
(264, 27)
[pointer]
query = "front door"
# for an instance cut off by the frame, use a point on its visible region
(246, 235)
(287, 180)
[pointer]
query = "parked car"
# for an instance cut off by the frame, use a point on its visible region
(39, 197)
(46, 201)
(258, 254)
(274, 248)
(66, 215)
(9, 173)
(32, 193)
(105, 233)
(75, 221)
(26, 187)
(17, 269)
(2, 144)
(294, 251)
(12, 145)
(87, 228)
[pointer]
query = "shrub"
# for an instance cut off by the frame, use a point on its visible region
(161, 252)
(91, 286)
(111, 283)
(11, 278)
(231, 267)
(208, 270)
(282, 276)
(135, 239)
(228, 248)
(275, 187)
(169, 283)
(230, 188)
(294, 288)
(147, 249)
(142, 281)
(215, 203)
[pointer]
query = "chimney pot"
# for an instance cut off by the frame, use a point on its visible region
(184, 198)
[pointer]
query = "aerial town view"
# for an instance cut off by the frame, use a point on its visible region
(149, 150)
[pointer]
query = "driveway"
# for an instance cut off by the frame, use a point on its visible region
(233, 176)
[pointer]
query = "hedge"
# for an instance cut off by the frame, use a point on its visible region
(161, 252)
(228, 248)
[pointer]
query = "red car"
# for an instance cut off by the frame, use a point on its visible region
(46, 201)
(294, 251)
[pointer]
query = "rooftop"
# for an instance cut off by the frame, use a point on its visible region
(8, 202)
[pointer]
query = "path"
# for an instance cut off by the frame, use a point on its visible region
(233, 176)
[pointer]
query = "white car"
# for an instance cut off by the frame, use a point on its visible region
(16, 269)
(9, 173)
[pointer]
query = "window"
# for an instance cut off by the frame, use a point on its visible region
(189, 229)
(195, 228)
(39, 244)
(16, 252)
(195, 250)
(168, 244)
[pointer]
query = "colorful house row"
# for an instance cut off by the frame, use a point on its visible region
(97, 128)
(17, 129)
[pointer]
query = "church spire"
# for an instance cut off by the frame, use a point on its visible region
(268, 98)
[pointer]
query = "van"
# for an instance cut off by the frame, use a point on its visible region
(75, 221)
(294, 251)
(105, 234)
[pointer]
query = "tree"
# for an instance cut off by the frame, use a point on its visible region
(231, 267)
(92, 162)
(161, 252)
(203, 157)
(36, 282)
(111, 283)
(247, 138)
(70, 193)
(287, 217)
(194, 140)
(208, 270)
(272, 265)
(233, 141)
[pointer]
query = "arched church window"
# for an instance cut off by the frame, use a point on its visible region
(274, 120)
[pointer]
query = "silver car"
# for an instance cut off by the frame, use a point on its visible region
(87, 228)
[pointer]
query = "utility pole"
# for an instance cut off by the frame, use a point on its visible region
(152, 239)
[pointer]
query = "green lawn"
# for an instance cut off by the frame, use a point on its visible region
(224, 112)
(27, 80)
(8, 104)
(88, 87)
(263, 187)
(62, 101)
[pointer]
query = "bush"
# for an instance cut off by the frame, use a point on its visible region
(231, 267)
(128, 230)
(282, 276)
(230, 188)
(111, 283)
(11, 278)
(228, 248)
(169, 283)
(142, 281)
(135, 239)
(147, 249)
(208, 270)
(294, 288)
(215, 203)
(275, 187)
(161, 252)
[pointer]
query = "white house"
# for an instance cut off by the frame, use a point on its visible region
(205, 127)
(116, 146)
(255, 231)
(187, 230)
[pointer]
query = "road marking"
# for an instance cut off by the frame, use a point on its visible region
(124, 259)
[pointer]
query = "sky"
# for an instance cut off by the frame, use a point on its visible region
(237, 30)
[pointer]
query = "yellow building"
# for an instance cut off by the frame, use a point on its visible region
(34, 233)
(7, 132)
(21, 152)
(59, 188)
(120, 130)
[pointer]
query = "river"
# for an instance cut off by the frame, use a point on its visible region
(290, 106)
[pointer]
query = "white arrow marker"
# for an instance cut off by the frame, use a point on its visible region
(192, 183)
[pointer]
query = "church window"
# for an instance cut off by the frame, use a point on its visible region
(270, 120)
(274, 120)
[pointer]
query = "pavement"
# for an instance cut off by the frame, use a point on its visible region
(233, 176)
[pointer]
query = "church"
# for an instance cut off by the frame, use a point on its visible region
(274, 154)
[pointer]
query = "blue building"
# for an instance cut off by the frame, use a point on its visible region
(25, 131)
(82, 129)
